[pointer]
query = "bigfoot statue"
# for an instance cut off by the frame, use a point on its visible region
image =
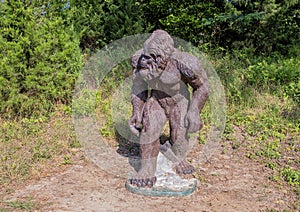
(161, 75)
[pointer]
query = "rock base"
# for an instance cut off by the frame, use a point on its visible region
(168, 182)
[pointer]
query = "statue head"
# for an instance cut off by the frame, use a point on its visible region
(159, 46)
(157, 50)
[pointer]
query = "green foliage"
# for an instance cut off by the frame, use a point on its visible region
(265, 26)
(231, 68)
(244, 74)
(284, 73)
(122, 18)
(110, 84)
(28, 205)
(30, 146)
(101, 22)
(39, 61)
(85, 102)
(67, 160)
(291, 176)
(282, 31)
(88, 21)
(188, 20)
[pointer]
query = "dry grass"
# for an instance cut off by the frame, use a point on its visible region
(35, 147)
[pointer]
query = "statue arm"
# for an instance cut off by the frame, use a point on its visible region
(195, 76)
(139, 96)
(200, 92)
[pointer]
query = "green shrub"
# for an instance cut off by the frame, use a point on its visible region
(283, 73)
(39, 59)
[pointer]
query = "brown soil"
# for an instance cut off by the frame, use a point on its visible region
(228, 182)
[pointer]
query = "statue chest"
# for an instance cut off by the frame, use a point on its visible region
(166, 80)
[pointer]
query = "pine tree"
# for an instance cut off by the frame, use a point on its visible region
(122, 18)
(39, 58)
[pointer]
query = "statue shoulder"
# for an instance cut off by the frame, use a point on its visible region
(188, 64)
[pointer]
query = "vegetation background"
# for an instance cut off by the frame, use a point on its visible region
(253, 45)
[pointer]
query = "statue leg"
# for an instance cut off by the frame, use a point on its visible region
(154, 119)
(179, 137)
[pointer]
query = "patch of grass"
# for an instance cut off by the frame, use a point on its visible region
(271, 165)
(291, 176)
(107, 129)
(67, 160)
(270, 150)
(26, 205)
(33, 147)
(268, 135)
(275, 178)
(110, 84)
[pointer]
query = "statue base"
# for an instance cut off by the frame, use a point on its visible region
(168, 182)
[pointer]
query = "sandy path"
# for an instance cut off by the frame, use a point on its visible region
(228, 183)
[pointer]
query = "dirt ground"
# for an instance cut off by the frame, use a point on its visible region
(228, 182)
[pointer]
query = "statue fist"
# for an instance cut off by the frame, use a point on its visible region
(135, 124)
(193, 122)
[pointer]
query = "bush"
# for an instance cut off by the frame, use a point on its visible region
(39, 60)
(284, 73)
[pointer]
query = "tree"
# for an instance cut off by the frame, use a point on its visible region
(39, 59)
(189, 20)
(282, 30)
(264, 26)
(88, 21)
(123, 18)
(101, 22)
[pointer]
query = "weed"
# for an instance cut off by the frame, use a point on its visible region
(67, 160)
(270, 150)
(235, 145)
(271, 165)
(275, 178)
(291, 176)
(29, 205)
(201, 178)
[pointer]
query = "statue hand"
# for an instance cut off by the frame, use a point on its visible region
(193, 121)
(135, 124)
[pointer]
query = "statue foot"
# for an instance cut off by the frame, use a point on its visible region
(184, 168)
(143, 182)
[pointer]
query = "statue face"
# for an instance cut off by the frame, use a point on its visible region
(156, 53)
(146, 61)
(148, 67)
